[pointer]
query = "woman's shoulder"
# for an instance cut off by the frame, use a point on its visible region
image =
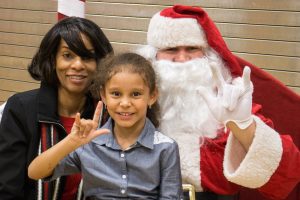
(24, 96)
(27, 98)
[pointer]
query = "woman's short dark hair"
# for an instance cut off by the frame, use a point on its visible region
(42, 66)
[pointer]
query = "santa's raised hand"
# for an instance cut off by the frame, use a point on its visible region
(84, 130)
(233, 101)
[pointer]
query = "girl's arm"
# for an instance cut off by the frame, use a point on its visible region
(43, 165)
(82, 132)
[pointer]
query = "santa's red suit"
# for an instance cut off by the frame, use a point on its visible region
(271, 167)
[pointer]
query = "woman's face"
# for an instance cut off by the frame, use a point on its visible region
(74, 73)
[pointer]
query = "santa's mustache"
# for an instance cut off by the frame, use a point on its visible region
(185, 75)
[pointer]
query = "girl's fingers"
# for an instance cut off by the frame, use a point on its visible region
(77, 120)
(101, 132)
(98, 112)
(82, 127)
(88, 129)
(76, 124)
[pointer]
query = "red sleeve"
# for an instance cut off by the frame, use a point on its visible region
(287, 175)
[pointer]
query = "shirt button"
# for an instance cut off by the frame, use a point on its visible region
(123, 176)
(122, 191)
(122, 155)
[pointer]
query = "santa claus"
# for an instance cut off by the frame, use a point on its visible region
(206, 99)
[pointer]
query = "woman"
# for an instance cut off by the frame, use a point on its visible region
(35, 120)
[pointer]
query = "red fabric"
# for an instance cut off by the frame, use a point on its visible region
(293, 171)
(72, 181)
(279, 103)
(211, 165)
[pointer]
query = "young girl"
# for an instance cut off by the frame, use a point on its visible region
(127, 158)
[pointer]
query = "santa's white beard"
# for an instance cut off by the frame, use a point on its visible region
(185, 116)
(182, 107)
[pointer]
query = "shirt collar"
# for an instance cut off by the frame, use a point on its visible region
(146, 138)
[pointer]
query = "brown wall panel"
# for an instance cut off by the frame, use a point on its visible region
(15, 74)
(29, 5)
(27, 15)
(14, 62)
(272, 62)
(17, 51)
(24, 27)
(20, 39)
(16, 86)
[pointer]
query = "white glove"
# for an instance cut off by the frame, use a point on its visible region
(233, 102)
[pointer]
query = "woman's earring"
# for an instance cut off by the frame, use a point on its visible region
(149, 106)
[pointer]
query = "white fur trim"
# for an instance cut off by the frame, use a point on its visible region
(71, 8)
(164, 32)
(253, 169)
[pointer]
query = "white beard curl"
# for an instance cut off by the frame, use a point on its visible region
(185, 116)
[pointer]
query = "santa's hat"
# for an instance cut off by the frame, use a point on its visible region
(189, 26)
(165, 31)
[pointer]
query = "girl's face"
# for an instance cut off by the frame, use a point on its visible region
(127, 98)
(74, 73)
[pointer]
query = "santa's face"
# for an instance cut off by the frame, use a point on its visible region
(180, 53)
(182, 108)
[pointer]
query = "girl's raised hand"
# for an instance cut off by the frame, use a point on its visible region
(84, 130)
